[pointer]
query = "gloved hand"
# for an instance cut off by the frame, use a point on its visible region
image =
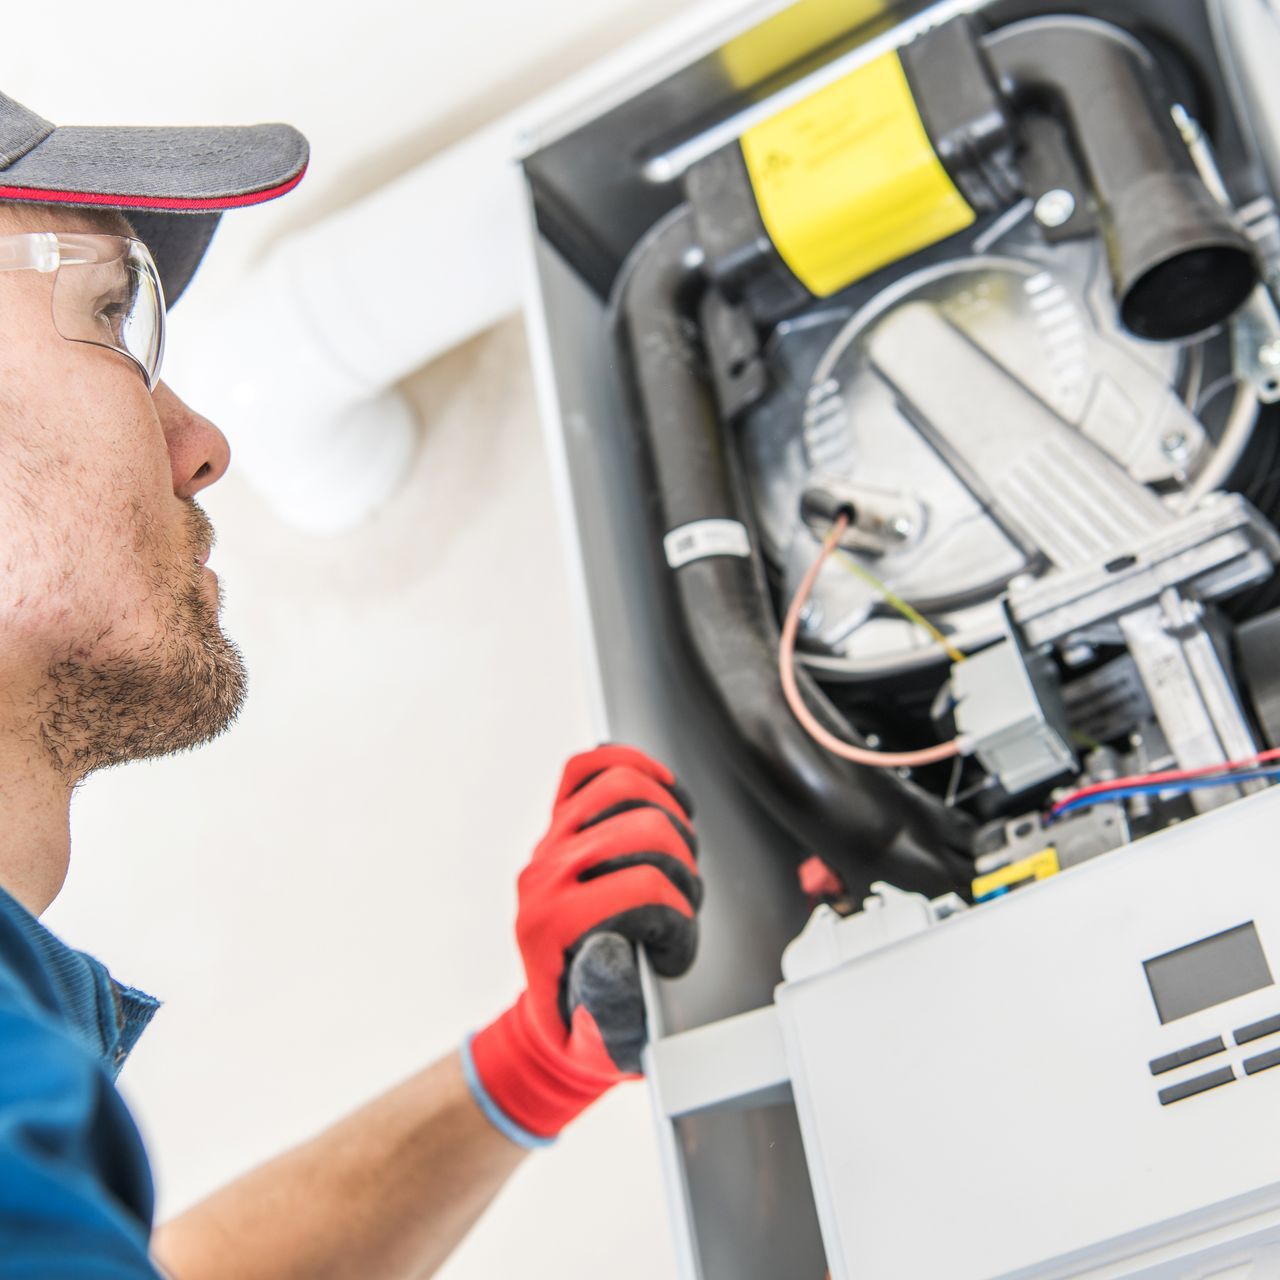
(616, 868)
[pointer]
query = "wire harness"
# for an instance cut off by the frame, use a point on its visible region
(1169, 782)
(791, 689)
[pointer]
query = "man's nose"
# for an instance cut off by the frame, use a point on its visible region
(198, 451)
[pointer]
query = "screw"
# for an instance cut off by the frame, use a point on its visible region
(900, 527)
(1076, 655)
(811, 616)
(1055, 207)
(1174, 445)
(1269, 353)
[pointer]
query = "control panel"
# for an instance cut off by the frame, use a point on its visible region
(1071, 1080)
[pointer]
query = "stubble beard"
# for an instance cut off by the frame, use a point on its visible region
(180, 691)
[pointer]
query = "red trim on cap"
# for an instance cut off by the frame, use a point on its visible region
(174, 203)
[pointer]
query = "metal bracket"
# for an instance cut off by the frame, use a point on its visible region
(739, 1062)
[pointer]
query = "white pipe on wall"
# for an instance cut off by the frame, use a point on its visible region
(299, 366)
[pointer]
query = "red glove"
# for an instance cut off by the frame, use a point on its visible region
(615, 868)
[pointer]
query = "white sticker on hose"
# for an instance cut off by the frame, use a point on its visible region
(703, 538)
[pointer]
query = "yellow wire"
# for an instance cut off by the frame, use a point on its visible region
(907, 611)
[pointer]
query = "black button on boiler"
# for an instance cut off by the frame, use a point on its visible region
(1262, 1062)
(1192, 1053)
(1189, 1088)
(1256, 1030)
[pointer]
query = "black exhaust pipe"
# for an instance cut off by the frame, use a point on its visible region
(867, 823)
(1179, 264)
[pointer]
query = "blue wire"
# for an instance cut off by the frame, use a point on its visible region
(1158, 788)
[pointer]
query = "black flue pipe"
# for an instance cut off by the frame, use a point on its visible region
(1179, 264)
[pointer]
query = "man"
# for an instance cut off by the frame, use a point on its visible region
(111, 650)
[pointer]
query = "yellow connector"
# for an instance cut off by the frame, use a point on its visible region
(1039, 866)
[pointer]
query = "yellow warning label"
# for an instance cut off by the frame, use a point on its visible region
(1039, 866)
(847, 179)
(793, 33)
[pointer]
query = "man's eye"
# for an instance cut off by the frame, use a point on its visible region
(111, 313)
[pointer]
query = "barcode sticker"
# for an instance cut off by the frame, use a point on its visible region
(703, 538)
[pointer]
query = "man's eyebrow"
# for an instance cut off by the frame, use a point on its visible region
(114, 223)
(98, 221)
(101, 220)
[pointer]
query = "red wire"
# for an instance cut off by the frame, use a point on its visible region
(1168, 775)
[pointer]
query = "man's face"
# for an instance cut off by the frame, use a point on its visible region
(110, 647)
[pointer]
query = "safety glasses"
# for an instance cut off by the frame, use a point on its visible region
(106, 291)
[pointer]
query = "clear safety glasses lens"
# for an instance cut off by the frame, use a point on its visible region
(107, 292)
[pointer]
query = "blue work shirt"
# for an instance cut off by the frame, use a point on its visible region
(76, 1196)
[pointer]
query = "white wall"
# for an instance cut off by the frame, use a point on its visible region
(324, 897)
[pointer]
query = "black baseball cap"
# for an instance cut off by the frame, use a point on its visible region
(172, 184)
